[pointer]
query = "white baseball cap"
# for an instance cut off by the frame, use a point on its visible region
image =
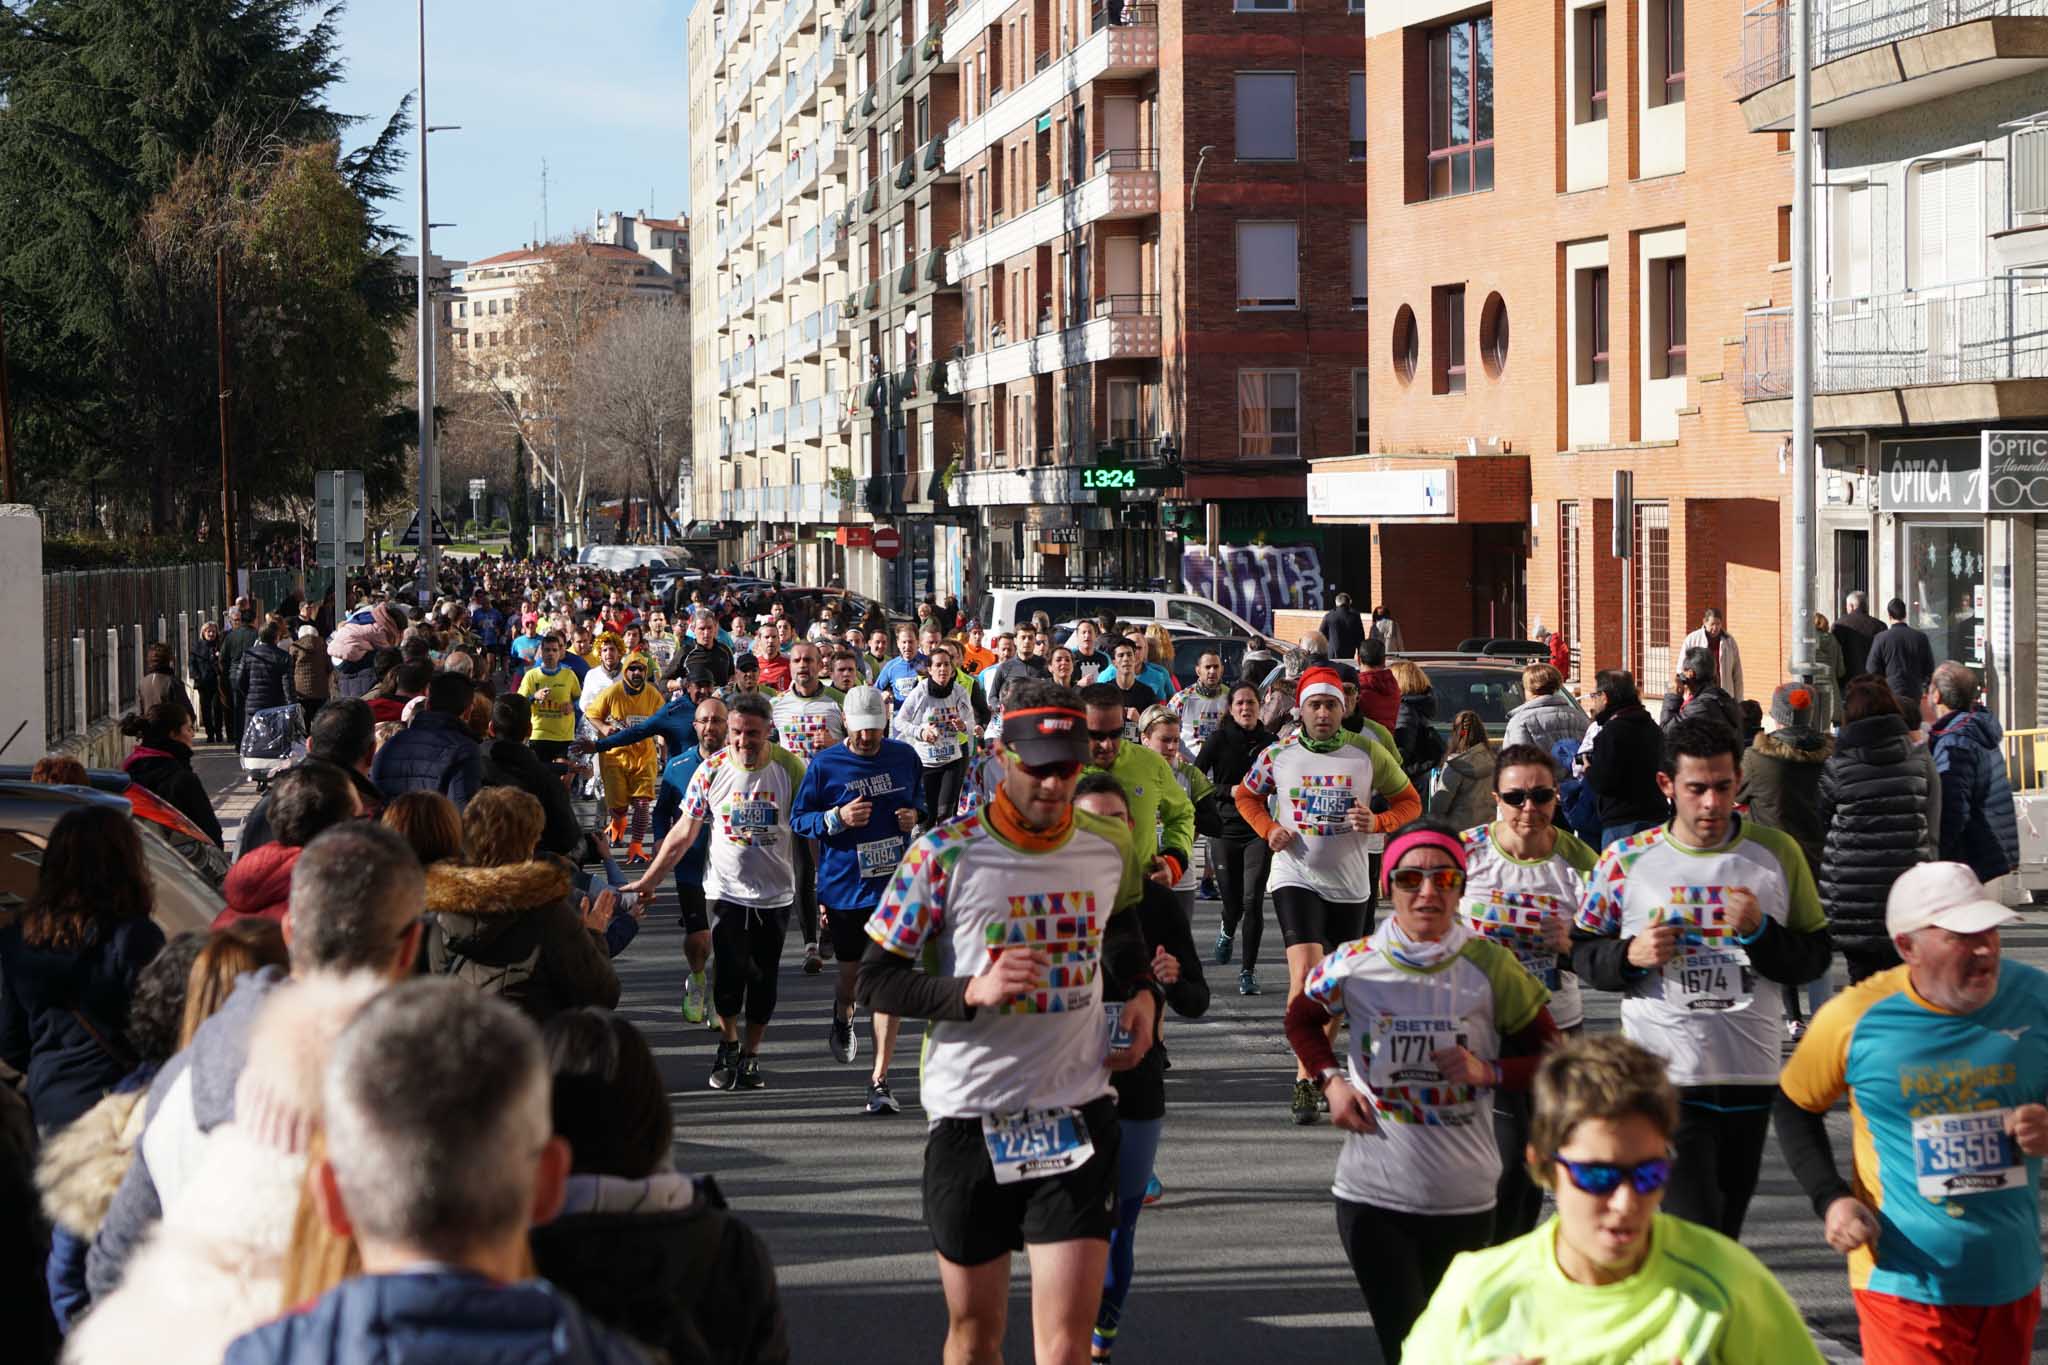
(1943, 895)
(865, 709)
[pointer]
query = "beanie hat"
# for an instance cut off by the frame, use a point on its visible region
(1792, 704)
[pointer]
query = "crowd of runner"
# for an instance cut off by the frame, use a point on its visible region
(385, 1110)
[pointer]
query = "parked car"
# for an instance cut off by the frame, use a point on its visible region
(626, 558)
(1462, 681)
(1501, 647)
(1178, 630)
(185, 839)
(29, 811)
(1189, 649)
(1002, 608)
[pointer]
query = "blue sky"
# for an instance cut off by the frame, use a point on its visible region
(598, 87)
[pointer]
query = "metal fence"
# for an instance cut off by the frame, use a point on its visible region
(1969, 332)
(1845, 28)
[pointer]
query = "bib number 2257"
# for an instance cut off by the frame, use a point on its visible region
(1035, 1143)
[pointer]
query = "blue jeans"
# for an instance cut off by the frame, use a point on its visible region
(1140, 1147)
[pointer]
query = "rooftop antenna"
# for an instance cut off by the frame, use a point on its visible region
(544, 198)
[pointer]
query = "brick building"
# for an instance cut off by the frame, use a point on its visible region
(1564, 235)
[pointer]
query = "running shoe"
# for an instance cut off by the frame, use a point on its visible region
(880, 1100)
(845, 1044)
(725, 1067)
(1224, 944)
(1207, 890)
(1247, 982)
(750, 1073)
(813, 964)
(1795, 1029)
(693, 998)
(1154, 1191)
(1303, 1106)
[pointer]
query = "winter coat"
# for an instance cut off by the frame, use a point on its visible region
(1874, 799)
(1727, 661)
(162, 687)
(264, 678)
(77, 1172)
(1466, 796)
(1623, 769)
(1379, 696)
(1854, 631)
(166, 769)
(1781, 785)
(1543, 721)
(1344, 629)
(508, 763)
(312, 670)
(514, 931)
(259, 885)
(451, 1317)
(1226, 757)
(256, 832)
(1827, 688)
(1905, 658)
(1421, 747)
(235, 643)
(663, 1261)
(1978, 823)
(63, 1012)
(208, 673)
(1711, 701)
(1560, 654)
(433, 754)
(356, 640)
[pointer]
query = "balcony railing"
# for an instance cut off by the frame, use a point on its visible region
(1141, 305)
(1108, 12)
(1843, 29)
(1974, 332)
(1126, 159)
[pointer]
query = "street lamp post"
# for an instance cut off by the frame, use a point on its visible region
(1803, 472)
(429, 568)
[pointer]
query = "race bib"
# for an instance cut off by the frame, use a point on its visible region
(1709, 980)
(1036, 1143)
(879, 857)
(1321, 804)
(1119, 1036)
(1955, 1155)
(1404, 1051)
(750, 821)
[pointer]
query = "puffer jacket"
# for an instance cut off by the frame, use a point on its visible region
(264, 678)
(1781, 785)
(63, 1012)
(312, 670)
(1978, 823)
(1421, 747)
(514, 931)
(1466, 796)
(1710, 701)
(1873, 808)
(165, 768)
(77, 1172)
(1543, 721)
(433, 754)
(259, 885)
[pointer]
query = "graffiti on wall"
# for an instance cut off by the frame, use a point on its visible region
(1257, 579)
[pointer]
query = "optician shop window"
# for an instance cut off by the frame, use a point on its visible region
(1945, 581)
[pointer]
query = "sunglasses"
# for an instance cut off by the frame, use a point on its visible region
(1115, 732)
(1605, 1177)
(1063, 769)
(1540, 796)
(1410, 879)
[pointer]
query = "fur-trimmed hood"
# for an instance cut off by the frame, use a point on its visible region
(81, 1166)
(454, 889)
(1794, 746)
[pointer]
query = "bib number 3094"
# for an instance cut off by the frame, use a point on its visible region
(1034, 1143)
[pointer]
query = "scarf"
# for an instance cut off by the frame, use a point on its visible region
(1422, 954)
(1320, 746)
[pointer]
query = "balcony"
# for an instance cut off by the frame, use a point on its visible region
(1969, 352)
(1125, 327)
(1870, 56)
(1115, 51)
(1125, 185)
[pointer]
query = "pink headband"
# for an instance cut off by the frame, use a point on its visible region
(1418, 838)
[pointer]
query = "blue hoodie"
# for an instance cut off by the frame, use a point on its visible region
(675, 725)
(668, 804)
(899, 678)
(855, 864)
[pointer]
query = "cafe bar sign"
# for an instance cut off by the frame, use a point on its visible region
(1994, 471)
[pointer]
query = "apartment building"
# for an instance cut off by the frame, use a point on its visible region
(1143, 208)
(1564, 233)
(1930, 345)
(491, 333)
(664, 241)
(776, 481)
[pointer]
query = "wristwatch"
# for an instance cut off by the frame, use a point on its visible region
(1325, 1076)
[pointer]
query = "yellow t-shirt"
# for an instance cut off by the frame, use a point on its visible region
(554, 702)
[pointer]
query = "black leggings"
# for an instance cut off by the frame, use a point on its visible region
(746, 949)
(213, 712)
(942, 791)
(1398, 1259)
(1241, 866)
(806, 863)
(1717, 1153)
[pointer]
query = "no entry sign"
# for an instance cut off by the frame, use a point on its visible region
(888, 544)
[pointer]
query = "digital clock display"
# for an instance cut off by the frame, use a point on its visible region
(1107, 478)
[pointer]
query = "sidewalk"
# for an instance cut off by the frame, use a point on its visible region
(233, 795)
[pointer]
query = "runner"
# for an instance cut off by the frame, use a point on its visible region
(1138, 697)
(903, 674)
(937, 719)
(808, 720)
(553, 689)
(1089, 663)
(709, 720)
(1160, 729)
(1945, 1061)
(1612, 1277)
(628, 770)
(1309, 797)
(858, 802)
(1238, 854)
(1683, 919)
(1162, 816)
(1141, 1091)
(1027, 904)
(1524, 881)
(1450, 1017)
(1202, 704)
(846, 672)
(744, 791)
(746, 679)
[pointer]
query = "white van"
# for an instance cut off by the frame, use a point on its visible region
(1002, 608)
(626, 558)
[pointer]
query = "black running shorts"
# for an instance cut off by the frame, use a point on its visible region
(1306, 917)
(696, 918)
(849, 930)
(974, 1220)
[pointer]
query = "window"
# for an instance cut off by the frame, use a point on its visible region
(1360, 394)
(1447, 349)
(1358, 116)
(1849, 247)
(1591, 367)
(1358, 265)
(1461, 108)
(1651, 583)
(1265, 116)
(1948, 223)
(1666, 39)
(461, 310)
(1784, 256)
(1591, 104)
(1267, 268)
(1667, 318)
(1274, 6)
(1268, 414)
(1406, 344)
(1123, 409)
(1568, 578)
(1493, 335)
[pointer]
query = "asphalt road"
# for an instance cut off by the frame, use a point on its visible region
(1239, 1261)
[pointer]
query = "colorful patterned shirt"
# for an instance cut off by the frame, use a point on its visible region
(748, 812)
(807, 724)
(1312, 794)
(1506, 899)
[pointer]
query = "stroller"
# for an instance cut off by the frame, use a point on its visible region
(274, 739)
